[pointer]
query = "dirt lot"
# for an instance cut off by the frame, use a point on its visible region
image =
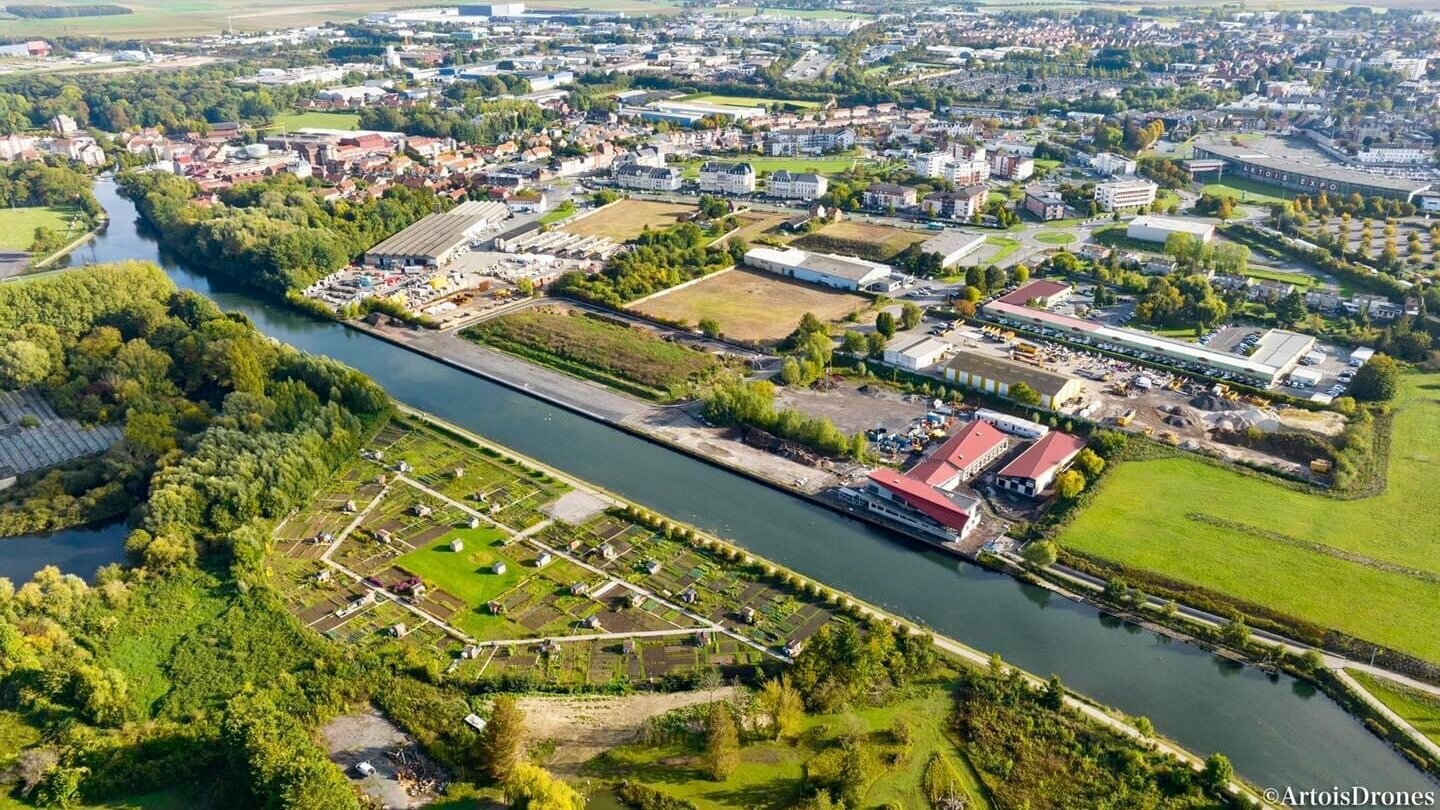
(755, 226)
(583, 727)
(369, 737)
(851, 410)
(879, 242)
(750, 305)
(627, 219)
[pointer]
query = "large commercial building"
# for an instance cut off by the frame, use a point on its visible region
(1152, 228)
(996, 375)
(841, 272)
(1304, 171)
(953, 245)
(1277, 352)
(917, 353)
(437, 239)
(1122, 194)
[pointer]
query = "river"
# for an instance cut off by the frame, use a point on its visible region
(1277, 732)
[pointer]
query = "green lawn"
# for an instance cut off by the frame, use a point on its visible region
(821, 165)
(771, 774)
(1145, 517)
(1417, 708)
(561, 211)
(17, 225)
(1051, 237)
(1007, 246)
(1248, 191)
(172, 799)
(1298, 279)
(290, 122)
(467, 573)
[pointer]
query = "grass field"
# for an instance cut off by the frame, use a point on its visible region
(174, 799)
(763, 165)
(466, 573)
(1248, 190)
(1145, 517)
(1051, 237)
(876, 242)
(633, 360)
(627, 219)
(290, 122)
(1007, 246)
(1298, 279)
(1417, 708)
(751, 305)
(772, 775)
(751, 101)
(17, 225)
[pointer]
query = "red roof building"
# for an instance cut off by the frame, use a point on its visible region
(1032, 471)
(1043, 292)
(919, 506)
(962, 456)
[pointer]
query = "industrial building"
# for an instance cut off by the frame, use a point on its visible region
(918, 353)
(1305, 173)
(962, 456)
(1032, 472)
(438, 238)
(1152, 228)
(996, 375)
(1277, 352)
(841, 272)
(952, 246)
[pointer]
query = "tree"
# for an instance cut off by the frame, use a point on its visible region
(530, 787)
(1235, 632)
(1145, 727)
(1020, 273)
(910, 315)
(875, 344)
(782, 705)
(1377, 380)
(885, 324)
(1040, 553)
(498, 747)
(790, 373)
(1290, 308)
(1183, 247)
(1070, 484)
(853, 342)
(1024, 394)
(710, 327)
(722, 743)
(1090, 463)
(22, 364)
(1054, 697)
(1217, 773)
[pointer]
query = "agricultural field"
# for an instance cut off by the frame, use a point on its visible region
(750, 101)
(158, 19)
(634, 360)
(750, 305)
(289, 122)
(1319, 559)
(627, 219)
(875, 242)
(17, 226)
(1417, 708)
(772, 774)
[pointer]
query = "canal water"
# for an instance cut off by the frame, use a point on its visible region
(1277, 732)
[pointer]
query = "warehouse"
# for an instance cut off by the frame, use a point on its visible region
(841, 272)
(1300, 169)
(1032, 472)
(919, 353)
(952, 246)
(1151, 228)
(996, 375)
(437, 239)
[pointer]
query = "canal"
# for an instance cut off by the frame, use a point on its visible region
(1277, 732)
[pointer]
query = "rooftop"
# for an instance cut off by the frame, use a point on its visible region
(974, 441)
(1048, 383)
(1053, 449)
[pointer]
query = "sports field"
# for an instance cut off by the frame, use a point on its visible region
(627, 219)
(290, 122)
(1366, 567)
(876, 242)
(750, 305)
(17, 225)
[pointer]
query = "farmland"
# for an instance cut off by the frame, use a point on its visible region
(1312, 557)
(633, 360)
(289, 122)
(750, 305)
(156, 19)
(627, 219)
(877, 242)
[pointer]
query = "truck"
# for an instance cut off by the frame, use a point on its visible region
(1125, 418)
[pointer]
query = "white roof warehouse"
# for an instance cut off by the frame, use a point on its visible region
(437, 238)
(843, 272)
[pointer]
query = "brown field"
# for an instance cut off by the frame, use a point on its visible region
(875, 242)
(750, 305)
(755, 225)
(627, 219)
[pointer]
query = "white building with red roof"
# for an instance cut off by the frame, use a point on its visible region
(1032, 472)
(924, 498)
